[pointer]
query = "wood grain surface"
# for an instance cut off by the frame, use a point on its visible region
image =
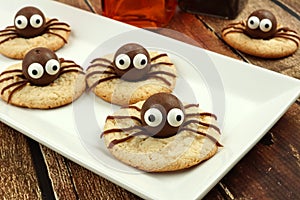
(32, 171)
(18, 178)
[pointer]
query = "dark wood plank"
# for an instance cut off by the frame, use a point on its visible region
(217, 193)
(288, 65)
(95, 5)
(293, 5)
(59, 174)
(71, 181)
(86, 181)
(198, 34)
(79, 4)
(269, 171)
(18, 179)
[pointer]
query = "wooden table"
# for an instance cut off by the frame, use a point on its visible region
(271, 170)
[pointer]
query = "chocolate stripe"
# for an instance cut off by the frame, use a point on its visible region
(101, 59)
(7, 78)
(11, 71)
(192, 121)
(11, 85)
(201, 114)
(99, 65)
(125, 117)
(158, 56)
(19, 87)
(102, 80)
(191, 105)
(133, 107)
(98, 72)
(204, 134)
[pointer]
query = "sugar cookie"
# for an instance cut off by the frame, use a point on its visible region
(32, 29)
(133, 75)
(42, 81)
(161, 134)
(260, 36)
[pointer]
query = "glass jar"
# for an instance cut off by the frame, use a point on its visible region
(141, 13)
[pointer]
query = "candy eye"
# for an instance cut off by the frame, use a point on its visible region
(52, 67)
(253, 22)
(153, 117)
(122, 61)
(35, 70)
(265, 25)
(36, 21)
(175, 117)
(21, 22)
(140, 61)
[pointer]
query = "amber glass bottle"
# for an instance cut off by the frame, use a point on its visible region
(141, 13)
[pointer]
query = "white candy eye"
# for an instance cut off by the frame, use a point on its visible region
(265, 25)
(35, 70)
(175, 117)
(52, 67)
(21, 22)
(140, 61)
(153, 117)
(253, 22)
(36, 21)
(122, 61)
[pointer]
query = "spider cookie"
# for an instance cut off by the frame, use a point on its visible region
(260, 36)
(130, 75)
(32, 29)
(161, 134)
(42, 81)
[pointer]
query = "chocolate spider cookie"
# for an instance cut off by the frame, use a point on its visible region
(260, 36)
(32, 29)
(133, 75)
(42, 81)
(161, 134)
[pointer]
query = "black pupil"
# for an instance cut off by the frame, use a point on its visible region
(267, 26)
(54, 68)
(121, 62)
(252, 22)
(143, 62)
(178, 118)
(151, 118)
(19, 22)
(38, 21)
(34, 72)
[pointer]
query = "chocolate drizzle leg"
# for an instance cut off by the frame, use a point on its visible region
(30, 22)
(262, 24)
(40, 67)
(131, 63)
(163, 116)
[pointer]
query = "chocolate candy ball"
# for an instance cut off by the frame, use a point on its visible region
(162, 114)
(261, 24)
(29, 22)
(41, 66)
(131, 62)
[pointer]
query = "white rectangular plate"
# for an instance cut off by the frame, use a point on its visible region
(249, 101)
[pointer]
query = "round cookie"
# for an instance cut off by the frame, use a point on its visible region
(260, 36)
(32, 29)
(272, 48)
(129, 140)
(127, 85)
(42, 81)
